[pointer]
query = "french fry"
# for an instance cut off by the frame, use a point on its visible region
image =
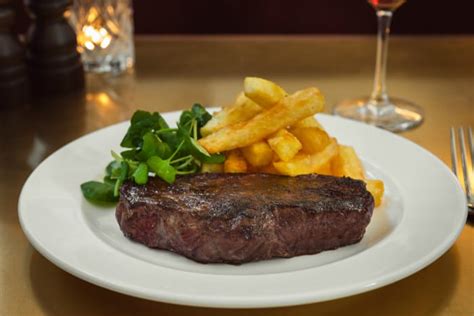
(284, 144)
(310, 121)
(313, 139)
(275, 157)
(259, 154)
(235, 162)
(269, 169)
(243, 109)
(326, 169)
(306, 164)
(267, 131)
(347, 164)
(252, 169)
(263, 92)
(291, 109)
(376, 188)
(212, 168)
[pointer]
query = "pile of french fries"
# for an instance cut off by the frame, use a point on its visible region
(267, 130)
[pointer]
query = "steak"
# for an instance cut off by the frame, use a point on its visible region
(237, 218)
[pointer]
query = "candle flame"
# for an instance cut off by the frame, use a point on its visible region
(89, 45)
(106, 42)
(94, 34)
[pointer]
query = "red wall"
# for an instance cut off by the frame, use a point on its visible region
(291, 16)
(298, 16)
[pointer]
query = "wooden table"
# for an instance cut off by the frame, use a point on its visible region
(173, 72)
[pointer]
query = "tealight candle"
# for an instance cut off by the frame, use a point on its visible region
(104, 34)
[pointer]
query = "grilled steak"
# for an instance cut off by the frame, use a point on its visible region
(237, 218)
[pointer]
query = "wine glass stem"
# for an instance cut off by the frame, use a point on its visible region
(379, 96)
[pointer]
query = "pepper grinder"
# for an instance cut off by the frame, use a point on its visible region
(13, 71)
(54, 62)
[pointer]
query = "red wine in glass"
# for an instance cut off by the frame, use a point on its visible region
(389, 5)
(379, 109)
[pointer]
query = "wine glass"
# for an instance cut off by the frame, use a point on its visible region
(392, 114)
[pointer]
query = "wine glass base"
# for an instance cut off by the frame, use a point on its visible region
(396, 116)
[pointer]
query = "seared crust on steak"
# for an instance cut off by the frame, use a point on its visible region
(237, 218)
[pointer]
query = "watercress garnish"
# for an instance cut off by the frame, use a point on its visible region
(152, 148)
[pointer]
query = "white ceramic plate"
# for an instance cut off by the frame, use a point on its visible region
(422, 215)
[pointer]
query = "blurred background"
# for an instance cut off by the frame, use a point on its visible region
(290, 17)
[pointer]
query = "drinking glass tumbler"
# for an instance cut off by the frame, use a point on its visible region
(104, 31)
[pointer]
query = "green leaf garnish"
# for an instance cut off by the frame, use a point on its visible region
(141, 123)
(153, 148)
(140, 175)
(201, 153)
(162, 168)
(98, 192)
(201, 115)
(123, 173)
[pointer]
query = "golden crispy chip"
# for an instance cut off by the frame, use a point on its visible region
(235, 162)
(243, 109)
(284, 144)
(313, 139)
(259, 154)
(263, 92)
(290, 110)
(326, 169)
(376, 188)
(310, 121)
(348, 164)
(306, 163)
(268, 169)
